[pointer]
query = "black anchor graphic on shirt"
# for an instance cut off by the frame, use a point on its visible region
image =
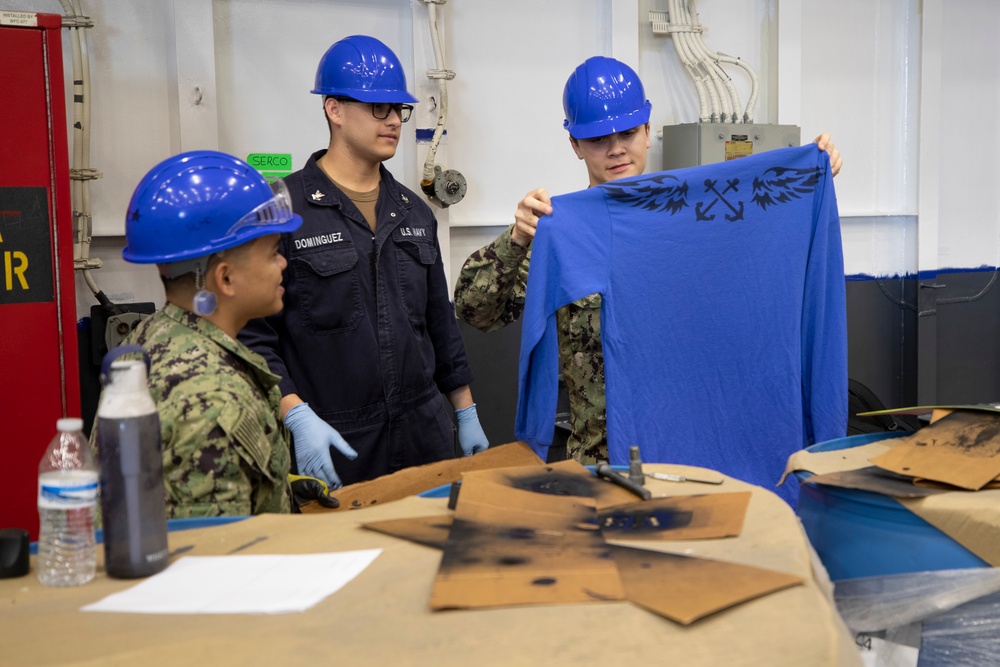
(701, 213)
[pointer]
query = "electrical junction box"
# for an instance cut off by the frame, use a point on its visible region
(693, 144)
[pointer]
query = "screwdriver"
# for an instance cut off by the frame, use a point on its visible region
(666, 477)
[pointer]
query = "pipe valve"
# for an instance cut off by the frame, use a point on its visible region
(446, 188)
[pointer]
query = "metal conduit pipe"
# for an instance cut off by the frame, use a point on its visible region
(443, 188)
(81, 172)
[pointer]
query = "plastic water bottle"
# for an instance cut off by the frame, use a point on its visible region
(67, 497)
(132, 496)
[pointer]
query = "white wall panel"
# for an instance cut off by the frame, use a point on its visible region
(505, 130)
(861, 82)
(969, 171)
(883, 246)
(267, 52)
(192, 77)
(131, 99)
(860, 62)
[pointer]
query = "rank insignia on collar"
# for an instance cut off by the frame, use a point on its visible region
(316, 196)
(406, 200)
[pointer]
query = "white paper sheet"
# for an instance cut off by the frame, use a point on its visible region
(250, 584)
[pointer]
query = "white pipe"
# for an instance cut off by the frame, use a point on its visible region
(85, 67)
(754, 90)
(80, 167)
(754, 85)
(707, 107)
(86, 222)
(716, 75)
(77, 121)
(707, 100)
(441, 75)
(754, 81)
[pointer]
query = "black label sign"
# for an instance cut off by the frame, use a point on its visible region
(25, 246)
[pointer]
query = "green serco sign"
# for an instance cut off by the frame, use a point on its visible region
(271, 165)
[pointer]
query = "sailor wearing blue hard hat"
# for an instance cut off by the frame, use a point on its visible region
(211, 224)
(367, 346)
(607, 117)
(190, 208)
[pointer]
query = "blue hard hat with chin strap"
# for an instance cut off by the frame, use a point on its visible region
(603, 96)
(364, 69)
(198, 203)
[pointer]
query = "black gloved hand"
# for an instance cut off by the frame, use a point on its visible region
(306, 489)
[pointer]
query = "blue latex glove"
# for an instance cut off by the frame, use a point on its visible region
(312, 438)
(470, 434)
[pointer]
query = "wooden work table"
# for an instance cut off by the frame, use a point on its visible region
(382, 616)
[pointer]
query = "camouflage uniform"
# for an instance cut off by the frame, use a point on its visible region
(225, 452)
(490, 295)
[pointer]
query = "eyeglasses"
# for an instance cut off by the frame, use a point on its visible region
(381, 110)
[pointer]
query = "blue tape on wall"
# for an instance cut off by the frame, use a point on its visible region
(425, 135)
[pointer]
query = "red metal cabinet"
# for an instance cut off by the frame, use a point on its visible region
(39, 375)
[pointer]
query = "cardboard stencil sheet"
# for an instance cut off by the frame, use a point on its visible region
(519, 537)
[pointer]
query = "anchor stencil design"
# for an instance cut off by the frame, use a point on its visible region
(701, 213)
(669, 194)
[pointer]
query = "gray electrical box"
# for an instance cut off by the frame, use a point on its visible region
(693, 144)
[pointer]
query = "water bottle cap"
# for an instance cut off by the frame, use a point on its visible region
(68, 424)
(119, 351)
(127, 375)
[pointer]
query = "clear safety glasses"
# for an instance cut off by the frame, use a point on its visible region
(275, 211)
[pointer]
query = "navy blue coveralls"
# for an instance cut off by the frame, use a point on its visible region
(368, 335)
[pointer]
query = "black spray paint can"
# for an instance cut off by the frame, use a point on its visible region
(132, 498)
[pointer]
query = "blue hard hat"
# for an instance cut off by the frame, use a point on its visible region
(197, 203)
(603, 96)
(364, 69)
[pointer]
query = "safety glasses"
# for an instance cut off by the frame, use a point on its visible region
(275, 211)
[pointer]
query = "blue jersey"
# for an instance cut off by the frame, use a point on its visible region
(723, 318)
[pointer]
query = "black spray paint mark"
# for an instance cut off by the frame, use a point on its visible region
(556, 483)
(646, 521)
(513, 560)
(521, 533)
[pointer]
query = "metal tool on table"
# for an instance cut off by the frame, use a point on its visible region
(666, 477)
(604, 471)
(635, 466)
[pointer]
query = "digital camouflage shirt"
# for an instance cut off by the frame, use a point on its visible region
(489, 295)
(225, 452)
